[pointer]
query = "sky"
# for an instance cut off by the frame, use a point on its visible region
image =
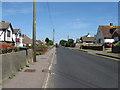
(75, 19)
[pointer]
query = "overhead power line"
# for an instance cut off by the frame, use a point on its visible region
(50, 15)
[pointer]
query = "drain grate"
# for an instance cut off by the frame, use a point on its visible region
(30, 70)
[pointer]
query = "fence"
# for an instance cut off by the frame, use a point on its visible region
(12, 62)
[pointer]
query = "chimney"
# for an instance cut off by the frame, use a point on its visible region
(111, 24)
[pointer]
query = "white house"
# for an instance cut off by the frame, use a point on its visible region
(104, 33)
(87, 39)
(17, 37)
(6, 33)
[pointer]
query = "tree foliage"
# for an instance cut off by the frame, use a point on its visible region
(69, 43)
(47, 40)
(63, 42)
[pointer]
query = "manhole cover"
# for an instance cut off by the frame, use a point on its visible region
(30, 70)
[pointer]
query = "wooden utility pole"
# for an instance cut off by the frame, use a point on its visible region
(53, 36)
(34, 31)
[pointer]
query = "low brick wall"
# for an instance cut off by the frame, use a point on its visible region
(14, 61)
(116, 49)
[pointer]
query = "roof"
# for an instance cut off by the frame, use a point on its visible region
(38, 42)
(26, 39)
(106, 30)
(4, 25)
(88, 39)
(15, 31)
(116, 33)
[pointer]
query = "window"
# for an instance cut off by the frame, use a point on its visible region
(8, 33)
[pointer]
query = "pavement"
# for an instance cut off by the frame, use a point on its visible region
(102, 53)
(76, 69)
(32, 79)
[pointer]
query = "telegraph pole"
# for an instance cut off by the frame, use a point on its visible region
(68, 37)
(53, 36)
(34, 31)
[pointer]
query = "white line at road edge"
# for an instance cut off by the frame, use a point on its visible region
(48, 76)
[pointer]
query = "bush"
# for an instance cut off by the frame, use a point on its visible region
(117, 44)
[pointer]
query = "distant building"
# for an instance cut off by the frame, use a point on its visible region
(87, 39)
(26, 40)
(17, 37)
(104, 33)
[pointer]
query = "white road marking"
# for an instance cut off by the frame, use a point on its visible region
(48, 76)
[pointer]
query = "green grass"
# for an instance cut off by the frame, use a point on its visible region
(113, 53)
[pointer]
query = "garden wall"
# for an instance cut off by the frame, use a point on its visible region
(93, 47)
(12, 62)
(116, 49)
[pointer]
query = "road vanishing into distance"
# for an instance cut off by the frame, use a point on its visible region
(75, 69)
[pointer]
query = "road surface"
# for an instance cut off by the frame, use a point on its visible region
(75, 69)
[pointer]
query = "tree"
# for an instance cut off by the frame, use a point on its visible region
(47, 40)
(70, 41)
(63, 42)
(50, 43)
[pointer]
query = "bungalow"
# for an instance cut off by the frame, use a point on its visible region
(87, 39)
(6, 31)
(17, 37)
(116, 35)
(104, 33)
(26, 40)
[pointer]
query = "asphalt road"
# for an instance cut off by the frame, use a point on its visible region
(75, 69)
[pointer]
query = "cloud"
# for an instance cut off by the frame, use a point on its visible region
(79, 24)
(17, 11)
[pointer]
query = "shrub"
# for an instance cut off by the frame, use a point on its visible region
(117, 44)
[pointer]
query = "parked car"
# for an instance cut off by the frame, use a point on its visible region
(108, 45)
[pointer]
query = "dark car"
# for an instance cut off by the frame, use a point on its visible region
(108, 45)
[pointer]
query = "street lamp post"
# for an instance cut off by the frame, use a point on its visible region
(34, 31)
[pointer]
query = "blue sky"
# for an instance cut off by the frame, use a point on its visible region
(69, 18)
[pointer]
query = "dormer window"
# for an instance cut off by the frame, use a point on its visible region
(8, 33)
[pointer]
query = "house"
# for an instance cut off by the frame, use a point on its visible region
(87, 39)
(17, 37)
(26, 40)
(104, 33)
(116, 35)
(6, 33)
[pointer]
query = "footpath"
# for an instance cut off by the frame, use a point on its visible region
(102, 53)
(33, 76)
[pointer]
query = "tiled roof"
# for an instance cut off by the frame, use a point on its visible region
(88, 39)
(15, 31)
(26, 39)
(116, 33)
(4, 25)
(106, 30)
